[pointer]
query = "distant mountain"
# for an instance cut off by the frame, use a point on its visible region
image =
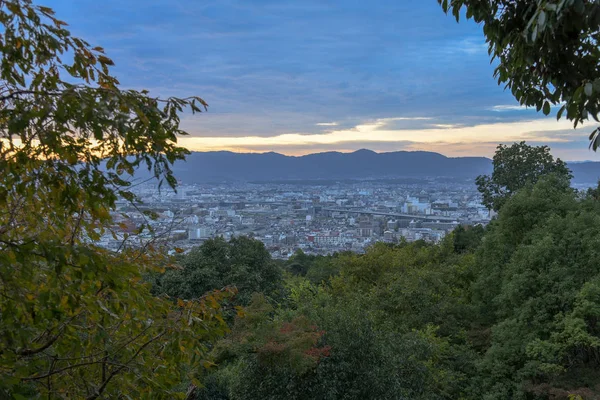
(224, 166)
(362, 164)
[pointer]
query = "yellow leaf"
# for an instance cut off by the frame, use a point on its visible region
(196, 382)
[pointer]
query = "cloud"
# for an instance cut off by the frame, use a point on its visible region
(509, 107)
(405, 119)
(326, 124)
(445, 126)
(472, 46)
(287, 66)
(343, 147)
(504, 108)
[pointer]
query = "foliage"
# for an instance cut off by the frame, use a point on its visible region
(243, 263)
(515, 166)
(77, 321)
(355, 360)
(547, 52)
(264, 352)
(537, 290)
(316, 268)
(378, 337)
(270, 341)
(593, 193)
(467, 238)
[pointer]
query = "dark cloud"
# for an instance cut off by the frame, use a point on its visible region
(327, 60)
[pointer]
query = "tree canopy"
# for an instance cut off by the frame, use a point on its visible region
(242, 263)
(514, 167)
(547, 52)
(536, 288)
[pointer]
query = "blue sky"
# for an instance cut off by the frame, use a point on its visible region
(315, 75)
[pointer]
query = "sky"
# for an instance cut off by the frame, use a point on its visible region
(299, 77)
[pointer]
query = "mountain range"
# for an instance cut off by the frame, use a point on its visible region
(225, 166)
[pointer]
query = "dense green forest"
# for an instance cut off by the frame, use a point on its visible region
(506, 311)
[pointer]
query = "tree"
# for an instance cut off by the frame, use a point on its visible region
(299, 263)
(390, 324)
(593, 193)
(547, 52)
(316, 268)
(514, 167)
(537, 292)
(343, 356)
(77, 321)
(467, 239)
(265, 354)
(243, 263)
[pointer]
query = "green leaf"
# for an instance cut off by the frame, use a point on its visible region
(547, 108)
(561, 111)
(548, 48)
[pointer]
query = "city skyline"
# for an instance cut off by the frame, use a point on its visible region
(299, 78)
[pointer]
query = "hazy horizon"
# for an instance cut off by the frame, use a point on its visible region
(354, 151)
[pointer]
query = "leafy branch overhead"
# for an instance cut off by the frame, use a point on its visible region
(76, 320)
(60, 103)
(547, 52)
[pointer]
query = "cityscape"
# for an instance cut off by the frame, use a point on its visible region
(317, 218)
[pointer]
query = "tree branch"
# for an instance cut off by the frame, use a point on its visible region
(30, 352)
(58, 371)
(122, 367)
